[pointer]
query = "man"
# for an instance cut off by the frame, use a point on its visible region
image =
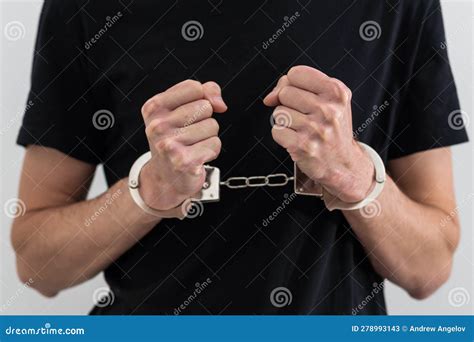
(325, 74)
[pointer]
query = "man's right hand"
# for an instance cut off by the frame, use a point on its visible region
(183, 137)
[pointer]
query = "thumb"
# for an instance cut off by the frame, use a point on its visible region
(271, 99)
(212, 93)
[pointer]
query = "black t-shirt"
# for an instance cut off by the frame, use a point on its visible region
(97, 62)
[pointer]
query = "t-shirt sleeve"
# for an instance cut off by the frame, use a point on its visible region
(430, 115)
(60, 106)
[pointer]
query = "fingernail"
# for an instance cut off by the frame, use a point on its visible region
(218, 100)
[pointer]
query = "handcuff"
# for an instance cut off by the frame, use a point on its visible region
(210, 191)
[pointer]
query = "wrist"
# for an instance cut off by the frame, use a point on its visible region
(363, 173)
(379, 176)
(355, 181)
(156, 193)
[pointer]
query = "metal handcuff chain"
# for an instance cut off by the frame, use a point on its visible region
(257, 181)
(210, 191)
(303, 185)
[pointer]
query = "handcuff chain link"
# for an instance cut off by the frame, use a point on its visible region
(273, 180)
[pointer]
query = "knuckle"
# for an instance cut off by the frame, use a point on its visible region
(166, 146)
(153, 106)
(332, 118)
(213, 126)
(331, 121)
(215, 141)
(292, 149)
(324, 133)
(193, 84)
(148, 131)
(332, 114)
(308, 146)
(216, 146)
(148, 108)
(180, 160)
(156, 126)
(334, 88)
(283, 80)
(348, 93)
(295, 157)
(158, 102)
(339, 90)
(213, 86)
(276, 134)
(295, 71)
(295, 153)
(285, 93)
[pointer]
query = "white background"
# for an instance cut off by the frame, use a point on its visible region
(15, 66)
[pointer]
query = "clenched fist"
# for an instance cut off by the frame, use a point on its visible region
(313, 122)
(183, 137)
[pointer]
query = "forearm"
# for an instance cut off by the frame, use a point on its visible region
(405, 240)
(59, 245)
(72, 243)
